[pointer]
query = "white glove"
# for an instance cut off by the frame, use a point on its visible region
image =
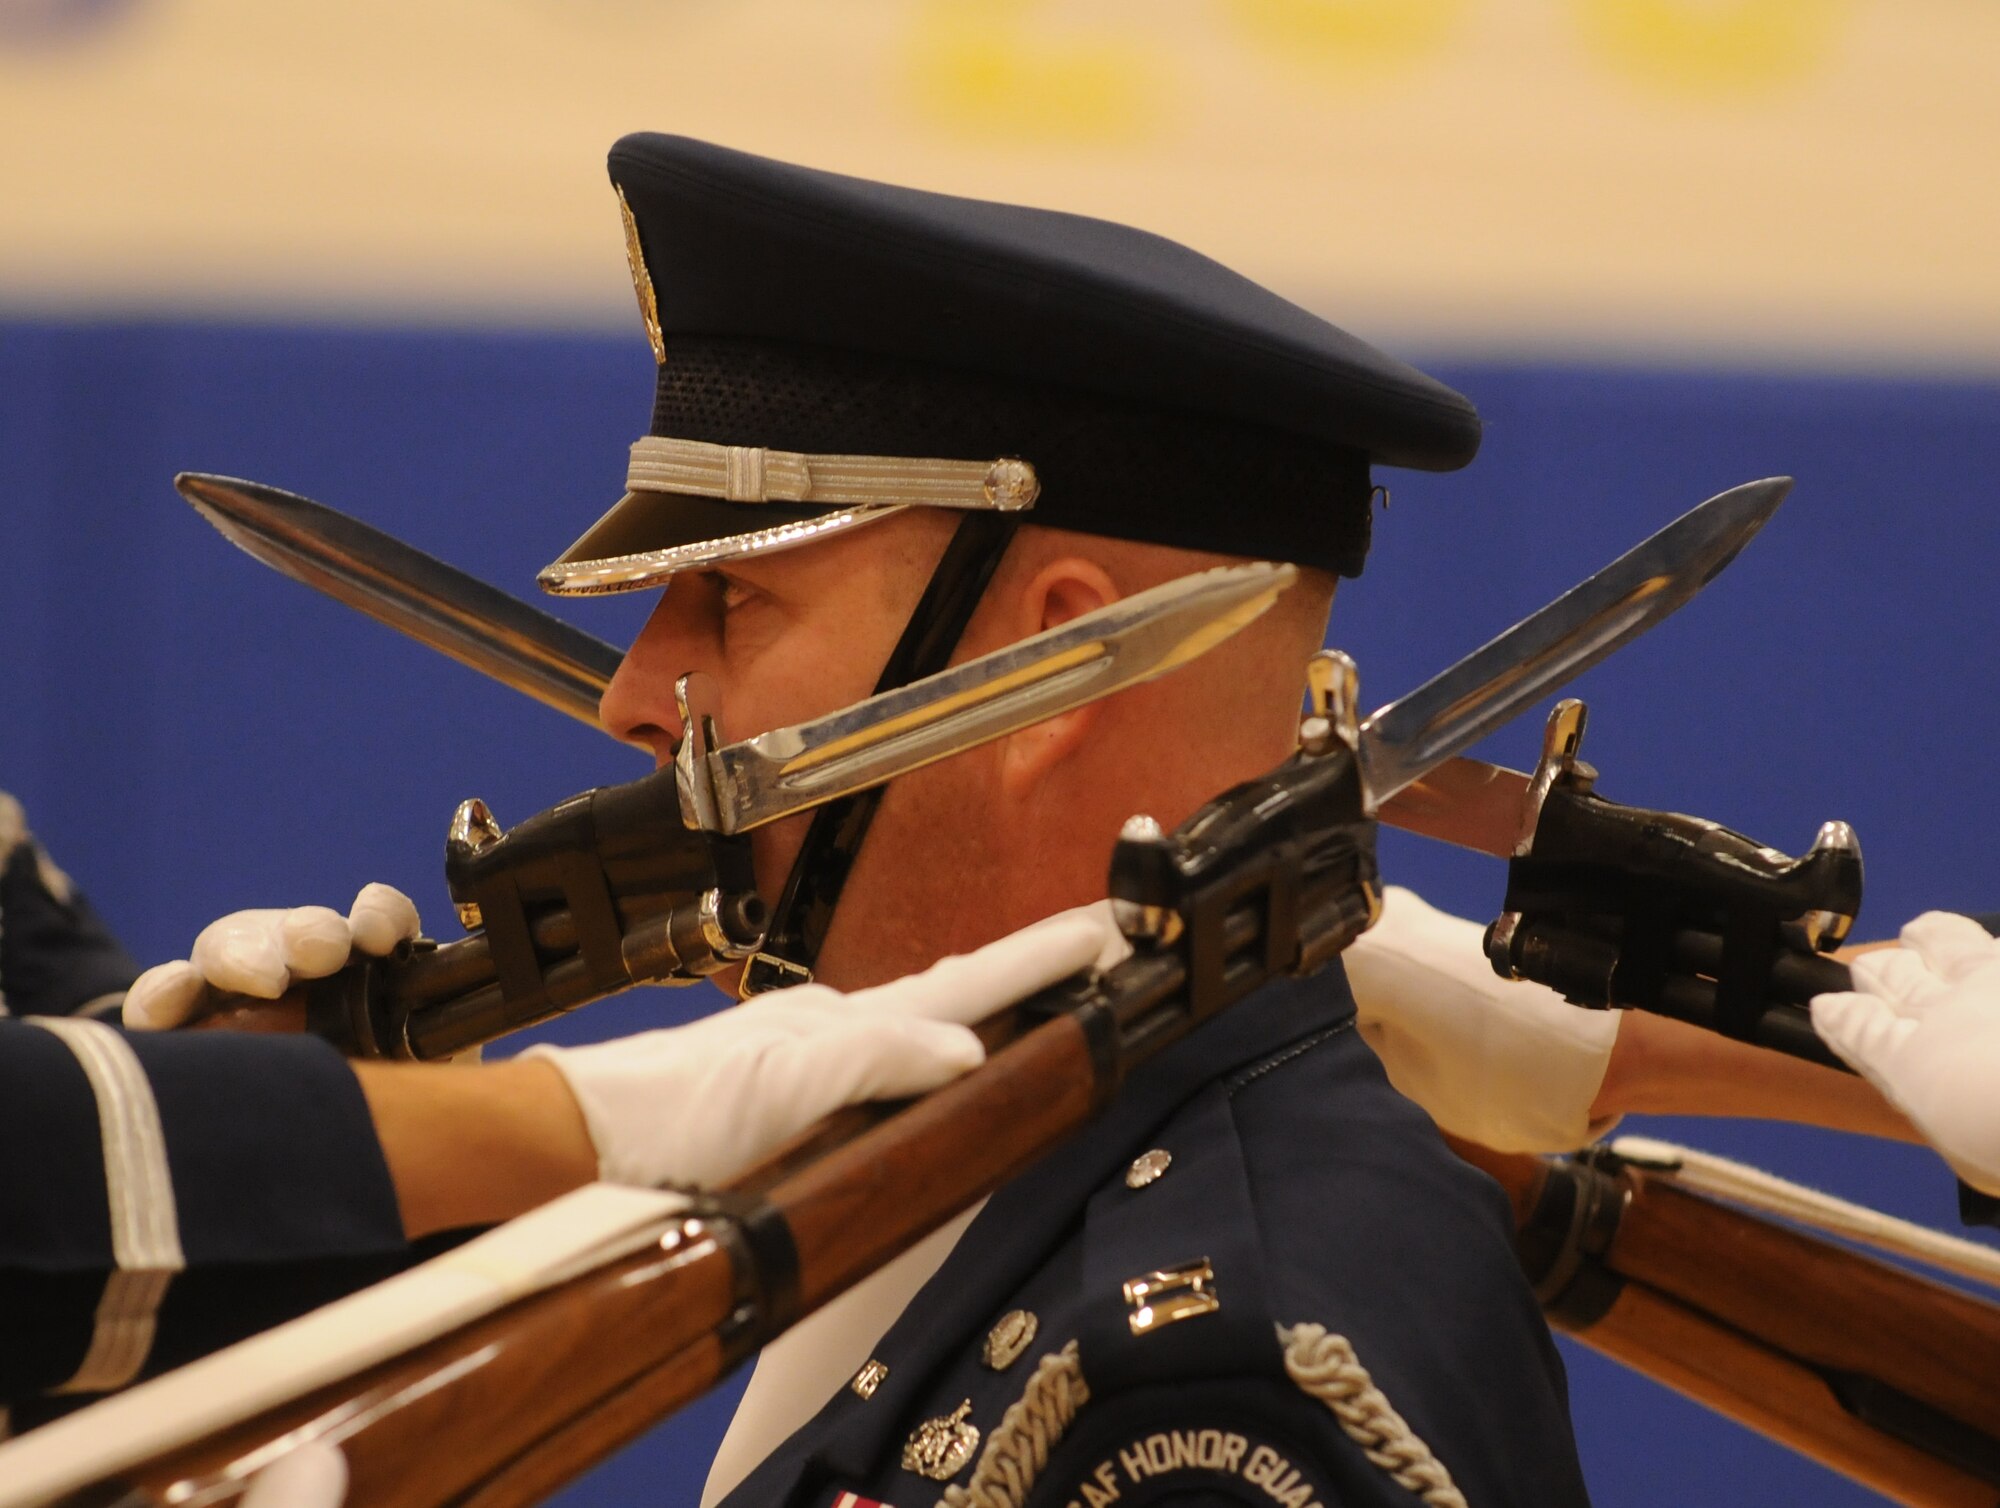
(1922, 1025)
(310, 1475)
(696, 1104)
(1505, 1063)
(264, 953)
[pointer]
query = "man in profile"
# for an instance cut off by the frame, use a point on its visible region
(892, 429)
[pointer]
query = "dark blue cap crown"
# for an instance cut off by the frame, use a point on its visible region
(1157, 394)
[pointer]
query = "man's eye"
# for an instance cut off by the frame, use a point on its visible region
(729, 592)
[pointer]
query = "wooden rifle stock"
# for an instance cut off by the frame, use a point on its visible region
(503, 1410)
(1885, 1376)
(506, 1409)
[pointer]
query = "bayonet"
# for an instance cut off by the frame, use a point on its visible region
(438, 605)
(1134, 639)
(1413, 736)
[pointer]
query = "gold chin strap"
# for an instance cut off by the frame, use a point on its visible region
(754, 474)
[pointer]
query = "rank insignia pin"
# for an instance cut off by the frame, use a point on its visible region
(1159, 1299)
(939, 1448)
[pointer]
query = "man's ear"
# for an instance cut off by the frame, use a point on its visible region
(1061, 590)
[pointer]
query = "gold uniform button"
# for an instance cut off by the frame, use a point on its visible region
(1006, 1341)
(1147, 1167)
(871, 1376)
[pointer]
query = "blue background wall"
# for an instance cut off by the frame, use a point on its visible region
(191, 733)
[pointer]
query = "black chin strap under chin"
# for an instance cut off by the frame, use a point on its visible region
(805, 911)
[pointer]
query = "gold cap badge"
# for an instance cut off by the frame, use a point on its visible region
(642, 281)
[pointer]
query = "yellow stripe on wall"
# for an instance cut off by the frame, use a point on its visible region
(1811, 178)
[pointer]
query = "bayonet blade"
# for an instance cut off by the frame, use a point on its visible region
(1476, 805)
(1128, 642)
(478, 625)
(1414, 735)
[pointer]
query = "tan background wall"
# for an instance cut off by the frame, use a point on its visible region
(1759, 179)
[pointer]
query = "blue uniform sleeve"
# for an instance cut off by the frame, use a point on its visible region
(56, 957)
(162, 1195)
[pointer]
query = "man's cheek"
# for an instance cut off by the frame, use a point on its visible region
(772, 850)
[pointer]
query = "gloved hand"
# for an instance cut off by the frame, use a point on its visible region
(1505, 1063)
(1922, 1025)
(264, 953)
(312, 1474)
(696, 1104)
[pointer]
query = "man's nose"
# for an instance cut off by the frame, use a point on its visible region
(638, 706)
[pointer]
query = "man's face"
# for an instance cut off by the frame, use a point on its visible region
(787, 637)
(971, 847)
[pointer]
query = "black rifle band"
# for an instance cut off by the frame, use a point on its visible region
(765, 1260)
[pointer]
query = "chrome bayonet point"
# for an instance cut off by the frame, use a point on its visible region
(761, 779)
(1411, 737)
(436, 604)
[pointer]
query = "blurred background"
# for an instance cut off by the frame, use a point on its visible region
(367, 252)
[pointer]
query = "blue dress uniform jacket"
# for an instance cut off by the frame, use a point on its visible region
(56, 957)
(160, 1195)
(165, 1194)
(1296, 1190)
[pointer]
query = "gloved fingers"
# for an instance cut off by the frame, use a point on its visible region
(381, 917)
(310, 1475)
(1952, 945)
(1896, 975)
(969, 987)
(1116, 947)
(316, 941)
(773, 1017)
(859, 1061)
(802, 1002)
(1865, 1030)
(244, 952)
(164, 996)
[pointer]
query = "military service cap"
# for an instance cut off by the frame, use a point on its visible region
(833, 350)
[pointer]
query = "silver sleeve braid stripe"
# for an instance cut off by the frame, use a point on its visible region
(145, 1228)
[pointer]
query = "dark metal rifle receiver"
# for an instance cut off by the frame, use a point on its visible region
(1294, 850)
(1618, 906)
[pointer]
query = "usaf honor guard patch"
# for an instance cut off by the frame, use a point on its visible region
(1171, 1463)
